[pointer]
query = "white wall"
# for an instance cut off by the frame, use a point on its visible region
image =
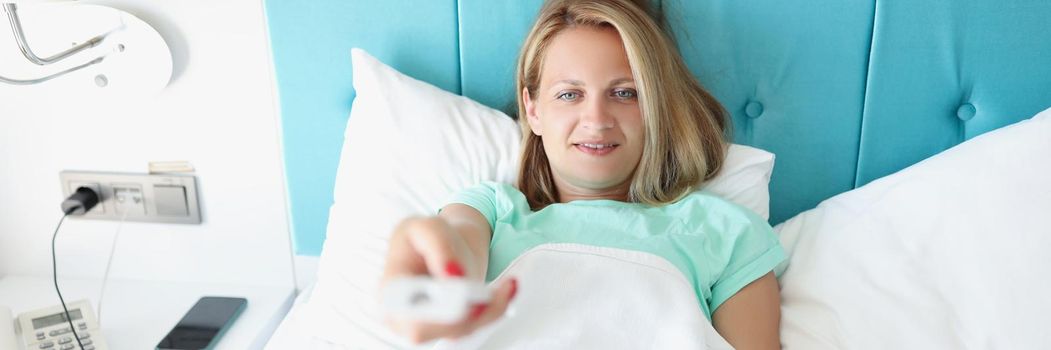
(219, 113)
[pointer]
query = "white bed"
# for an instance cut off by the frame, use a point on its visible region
(948, 253)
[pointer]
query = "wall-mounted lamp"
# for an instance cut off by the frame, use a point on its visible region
(116, 51)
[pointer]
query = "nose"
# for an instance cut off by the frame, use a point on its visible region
(595, 115)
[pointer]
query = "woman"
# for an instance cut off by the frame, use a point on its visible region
(616, 134)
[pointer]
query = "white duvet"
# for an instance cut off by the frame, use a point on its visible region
(574, 296)
(570, 296)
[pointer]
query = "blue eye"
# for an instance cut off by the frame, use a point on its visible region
(625, 94)
(568, 96)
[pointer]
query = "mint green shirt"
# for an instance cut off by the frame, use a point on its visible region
(719, 246)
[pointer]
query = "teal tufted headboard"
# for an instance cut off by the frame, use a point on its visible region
(843, 91)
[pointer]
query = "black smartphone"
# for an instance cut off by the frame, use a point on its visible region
(202, 326)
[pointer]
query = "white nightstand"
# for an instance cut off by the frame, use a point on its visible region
(137, 314)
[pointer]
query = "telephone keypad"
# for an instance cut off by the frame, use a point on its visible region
(50, 329)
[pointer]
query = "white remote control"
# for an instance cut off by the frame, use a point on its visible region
(433, 300)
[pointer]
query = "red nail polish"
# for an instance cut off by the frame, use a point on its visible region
(514, 288)
(477, 310)
(454, 269)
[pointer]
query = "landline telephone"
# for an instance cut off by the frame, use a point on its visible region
(47, 328)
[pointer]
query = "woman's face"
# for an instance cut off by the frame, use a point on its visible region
(586, 111)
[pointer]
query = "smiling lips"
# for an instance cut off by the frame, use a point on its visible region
(596, 149)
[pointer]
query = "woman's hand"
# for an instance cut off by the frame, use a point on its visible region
(432, 247)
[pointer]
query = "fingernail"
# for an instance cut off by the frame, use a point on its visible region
(454, 269)
(477, 310)
(514, 288)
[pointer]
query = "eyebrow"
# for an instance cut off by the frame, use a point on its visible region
(575, 82)
(570, 82)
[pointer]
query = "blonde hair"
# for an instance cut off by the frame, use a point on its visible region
(685, 126)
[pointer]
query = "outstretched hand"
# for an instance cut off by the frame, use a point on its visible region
(431, 247)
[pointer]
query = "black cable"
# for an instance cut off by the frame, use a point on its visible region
(54, 274)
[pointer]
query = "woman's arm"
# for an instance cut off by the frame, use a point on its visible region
(751, 319)
(474, 229)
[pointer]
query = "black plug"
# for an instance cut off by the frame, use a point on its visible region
(82, 200)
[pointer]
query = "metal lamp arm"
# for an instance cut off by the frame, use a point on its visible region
(20, 38)
(49, 77)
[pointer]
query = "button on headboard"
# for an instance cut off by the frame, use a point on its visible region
(945, 71)
(843, 91)
(792, 73)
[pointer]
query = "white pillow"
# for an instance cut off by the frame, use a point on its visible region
(951, 253)
(745, 178)
(408, 148)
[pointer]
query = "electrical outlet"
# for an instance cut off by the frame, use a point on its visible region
(74, 185)
(166, 198)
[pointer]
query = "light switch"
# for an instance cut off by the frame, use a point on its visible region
(170, 200)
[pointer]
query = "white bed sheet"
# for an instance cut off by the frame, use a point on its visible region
(292, 332)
